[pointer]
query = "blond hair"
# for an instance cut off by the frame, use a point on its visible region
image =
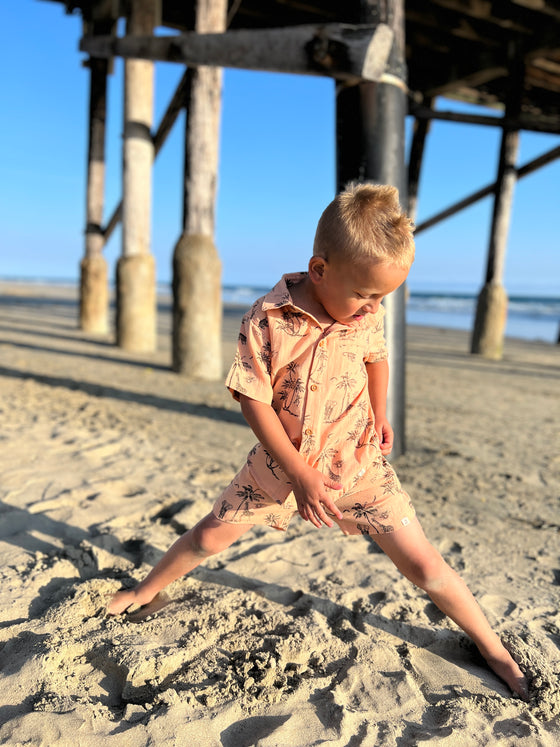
(365, 221)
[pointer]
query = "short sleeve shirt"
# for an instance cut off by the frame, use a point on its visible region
(316, 380)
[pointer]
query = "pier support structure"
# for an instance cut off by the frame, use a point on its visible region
(136, 279)
(197, 302)
(491, 311)
(370, 147)
(417, 147)
(94, 291)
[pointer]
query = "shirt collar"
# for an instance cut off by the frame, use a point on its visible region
(280, 295)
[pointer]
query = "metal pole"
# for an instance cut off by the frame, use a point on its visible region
(370, 147)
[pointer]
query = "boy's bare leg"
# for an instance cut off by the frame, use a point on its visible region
(413, 555)
(209, 537)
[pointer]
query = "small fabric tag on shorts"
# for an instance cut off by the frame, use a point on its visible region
(405, 522)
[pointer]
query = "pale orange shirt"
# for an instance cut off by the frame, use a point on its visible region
(316, 380)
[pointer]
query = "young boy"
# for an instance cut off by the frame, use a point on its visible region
(311, 376)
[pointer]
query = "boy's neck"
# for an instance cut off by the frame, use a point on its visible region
(303, 297)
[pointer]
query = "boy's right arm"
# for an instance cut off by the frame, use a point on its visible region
(308, 483)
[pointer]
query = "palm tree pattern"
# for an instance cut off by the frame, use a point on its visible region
(373, 516)
(291, 389)
(316, 381)
(293, 323)
(248, 500)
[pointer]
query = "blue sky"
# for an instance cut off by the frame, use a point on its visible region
(276, 172)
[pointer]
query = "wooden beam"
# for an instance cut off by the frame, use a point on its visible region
(420, 132)
(472, 79)
(525, 121)
(341, 51)
(522, 171)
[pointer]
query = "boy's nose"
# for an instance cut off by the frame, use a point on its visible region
(371, 307)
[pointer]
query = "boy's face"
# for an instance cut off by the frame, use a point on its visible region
(349, 291)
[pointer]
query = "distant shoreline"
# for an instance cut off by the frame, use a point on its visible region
(530, 317)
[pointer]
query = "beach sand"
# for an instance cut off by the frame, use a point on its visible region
(303, 638)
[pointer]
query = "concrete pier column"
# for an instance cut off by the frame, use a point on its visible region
(136, 297)
(94, 291)
(197, 304)
(136, 303)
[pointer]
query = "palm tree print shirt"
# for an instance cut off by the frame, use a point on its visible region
(316, 381)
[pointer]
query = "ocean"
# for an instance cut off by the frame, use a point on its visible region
(529, 317)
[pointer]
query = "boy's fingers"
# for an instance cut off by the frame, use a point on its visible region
(332, 508)
(308, 514)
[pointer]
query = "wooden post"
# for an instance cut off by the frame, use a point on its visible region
(136, 284)
(94, 291)
(197, 302)
(491, 311)
(370, 147)
(421, 128)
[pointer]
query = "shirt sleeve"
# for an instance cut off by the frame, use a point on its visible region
(377, 347)
(251, 368)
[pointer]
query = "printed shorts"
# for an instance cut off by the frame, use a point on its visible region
(376, 504)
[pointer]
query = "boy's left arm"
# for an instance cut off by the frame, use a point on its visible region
(378, 380)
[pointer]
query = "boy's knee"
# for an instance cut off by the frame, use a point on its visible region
(430, 572)
(206, 540)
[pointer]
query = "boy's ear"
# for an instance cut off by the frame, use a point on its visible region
(316, 271)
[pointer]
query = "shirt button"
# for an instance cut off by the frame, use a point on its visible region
(308, 432)
(313, 387)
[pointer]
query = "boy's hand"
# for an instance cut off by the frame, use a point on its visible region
(311, 490)
(385, 435)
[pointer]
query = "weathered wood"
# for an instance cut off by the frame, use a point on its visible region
(136, 303)
(337, 50)
(420, 132)
(94, 293)
(490, 321)
(197, 304)
(167, 121)
(169, 118)
(507, 176)
(520, 172)
(524, 121)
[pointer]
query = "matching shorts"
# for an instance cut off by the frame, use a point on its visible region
(376, 503)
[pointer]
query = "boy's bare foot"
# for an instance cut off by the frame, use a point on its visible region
(508, 670)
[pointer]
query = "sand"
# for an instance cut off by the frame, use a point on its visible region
(304, 638)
